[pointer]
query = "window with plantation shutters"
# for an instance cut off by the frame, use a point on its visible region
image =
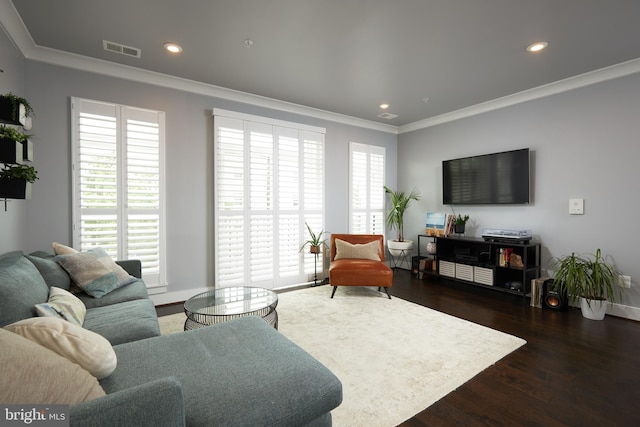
(269, 182)
(366, 191)
(118, 183)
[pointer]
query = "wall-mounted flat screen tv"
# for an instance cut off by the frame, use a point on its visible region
(490, 179)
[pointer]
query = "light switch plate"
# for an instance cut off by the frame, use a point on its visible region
(576, 206)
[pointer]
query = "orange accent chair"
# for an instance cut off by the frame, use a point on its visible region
(347, 271)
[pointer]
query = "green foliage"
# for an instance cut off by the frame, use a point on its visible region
(399, 204)
(7, 132)
(315, 240)
(589, 276)
(15, 100)
(28, 173)
(461, 220)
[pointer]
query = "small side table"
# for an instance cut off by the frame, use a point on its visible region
(223, 304)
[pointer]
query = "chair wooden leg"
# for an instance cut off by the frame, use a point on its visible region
(333, 292)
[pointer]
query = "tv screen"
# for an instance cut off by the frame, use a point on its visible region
(490, 179)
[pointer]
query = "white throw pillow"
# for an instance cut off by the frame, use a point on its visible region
(346, 250)
(31, 373)
(63, 304)
(91, 351)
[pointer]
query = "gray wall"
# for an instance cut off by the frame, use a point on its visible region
(188, 161)
(13, 221)
(584, 142)
(585, 145)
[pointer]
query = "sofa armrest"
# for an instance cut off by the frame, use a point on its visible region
(156, 403)
(131, 266)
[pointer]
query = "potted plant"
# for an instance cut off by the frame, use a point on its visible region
(14, 109)
(395, 220)
(315, 241)
(14, 145)
(460, 223)
(16, 180)
(589, 278)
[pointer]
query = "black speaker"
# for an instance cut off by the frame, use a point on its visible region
(552, 297)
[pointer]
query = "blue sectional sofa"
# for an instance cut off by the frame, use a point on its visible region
(238, 373)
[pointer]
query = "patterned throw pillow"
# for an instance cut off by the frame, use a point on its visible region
(94, 271)
(64, 305)
(345, 250)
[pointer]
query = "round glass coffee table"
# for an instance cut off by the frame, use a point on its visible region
(223, 304)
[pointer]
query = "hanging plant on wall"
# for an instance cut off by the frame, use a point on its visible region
(28, 173)
(16, 180)
(10, 111)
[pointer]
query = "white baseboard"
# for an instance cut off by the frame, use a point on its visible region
(625, 311)
(178, 296)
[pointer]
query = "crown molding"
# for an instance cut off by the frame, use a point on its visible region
(575, 82)
(13, 25)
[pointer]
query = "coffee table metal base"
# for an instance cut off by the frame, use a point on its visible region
(222, 305)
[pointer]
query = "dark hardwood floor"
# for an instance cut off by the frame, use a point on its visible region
(571, 372)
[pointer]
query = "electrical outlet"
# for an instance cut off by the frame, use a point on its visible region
(625, 281)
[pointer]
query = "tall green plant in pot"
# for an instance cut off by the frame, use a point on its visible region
(395, 219)
(591, 279)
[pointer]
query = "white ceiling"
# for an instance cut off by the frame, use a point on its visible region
(348, 56)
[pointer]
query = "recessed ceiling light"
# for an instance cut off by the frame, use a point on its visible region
(248, 43)
(537, 46)
(172, 47)
(384, 106)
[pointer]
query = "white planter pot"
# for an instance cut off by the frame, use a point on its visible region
(594, 309)
(398, 249)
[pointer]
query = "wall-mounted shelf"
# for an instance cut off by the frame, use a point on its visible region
(15, 150)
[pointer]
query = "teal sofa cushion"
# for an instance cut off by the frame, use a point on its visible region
(238, 373)
(54, 275)
(21, 288)
(124, 322)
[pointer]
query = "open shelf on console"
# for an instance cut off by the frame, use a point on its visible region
(499, 265)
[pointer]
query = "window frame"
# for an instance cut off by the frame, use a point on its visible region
(304, 260)
(369, 211)
(155, 276)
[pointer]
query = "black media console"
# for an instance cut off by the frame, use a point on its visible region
(507, 266)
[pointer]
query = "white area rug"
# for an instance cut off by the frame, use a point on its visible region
(394, 358)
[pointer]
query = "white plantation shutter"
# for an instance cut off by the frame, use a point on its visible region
(118, 184)
(268, 182)
(366, 172)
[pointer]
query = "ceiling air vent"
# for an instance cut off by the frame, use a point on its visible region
(387, 116)
(121, 49)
